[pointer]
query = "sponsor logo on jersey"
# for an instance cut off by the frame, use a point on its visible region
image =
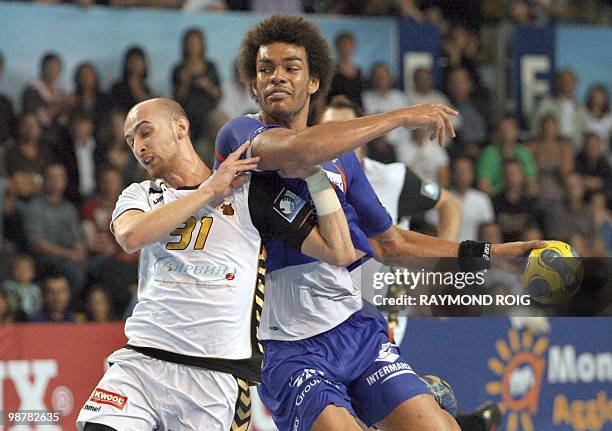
(305, 375)
(387, 353)
(431, 190)
(336, 179)
(227, 209)
(309, 385)
(91, 408)
(101, 396)
(169, 266)
(388, 372)
(288, 204)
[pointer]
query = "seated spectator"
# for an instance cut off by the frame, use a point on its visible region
(197, 85)
(521, 13)
(593, 165)
(88, 99)
(382, 97)
(56, 296)
(26, 162)
(424, 92)
(7, 314)
(426, 158)
(573, 215)
(109, 265)
(347, 80)
(81, 156)
(97, 210)
(598, 115)
(133, 86)
(514, 208)
(564, 106)
(554, 157)
(472, 131)
(45, 98)
(54, 231)
(506, 146)
(25, 295)
(117, 154)
(237, 97)
(8, 119)
(31, 153)
(476, 206)
(97, 306)
(460, 51)
(603, 220)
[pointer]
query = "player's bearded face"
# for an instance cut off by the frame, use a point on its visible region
(283, 85)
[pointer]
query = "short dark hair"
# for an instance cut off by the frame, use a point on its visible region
(77, 77)
(134, 51)
(340, 101)
(187, 34)
(342, 36)
(379, 65)
(296, 31)
(604, 90)
(48, 57)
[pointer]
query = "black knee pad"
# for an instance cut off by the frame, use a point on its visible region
(97, 427)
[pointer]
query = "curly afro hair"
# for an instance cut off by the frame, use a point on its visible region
(294, 30)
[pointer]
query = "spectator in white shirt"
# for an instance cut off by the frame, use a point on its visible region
(476, 206)
(564, 105)
(237, 99)
(598, 114)
(425, 93)
(382, 97)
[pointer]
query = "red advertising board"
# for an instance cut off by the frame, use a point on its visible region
(56, 367)
(53, 366)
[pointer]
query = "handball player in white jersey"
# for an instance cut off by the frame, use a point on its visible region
(193, 345)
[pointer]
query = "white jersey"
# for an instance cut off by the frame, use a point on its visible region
(200, 290)
(196, 277)
(387, 181)
(305, 300)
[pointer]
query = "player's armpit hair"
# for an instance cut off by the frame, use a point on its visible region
(97, 427)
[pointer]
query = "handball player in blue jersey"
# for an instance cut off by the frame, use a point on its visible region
(327, 355)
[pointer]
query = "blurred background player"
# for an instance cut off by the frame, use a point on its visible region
(186, 366)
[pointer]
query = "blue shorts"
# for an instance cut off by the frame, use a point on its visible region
(352, 365)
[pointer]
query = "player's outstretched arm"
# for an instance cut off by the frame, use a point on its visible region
(330, 241)
(135, 229)
(397, 247)
(281, 148)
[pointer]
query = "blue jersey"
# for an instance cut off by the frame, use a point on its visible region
(365, 214)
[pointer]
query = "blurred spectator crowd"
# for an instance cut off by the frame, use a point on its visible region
(64, 161)
(525, 12)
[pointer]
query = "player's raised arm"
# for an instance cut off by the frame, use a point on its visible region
(135, 229)
(290, 149)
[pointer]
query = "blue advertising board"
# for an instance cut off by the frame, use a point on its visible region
(559, 380)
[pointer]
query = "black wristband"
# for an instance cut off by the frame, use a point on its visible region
(474, 256)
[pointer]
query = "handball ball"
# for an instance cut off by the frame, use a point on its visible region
(553, 274)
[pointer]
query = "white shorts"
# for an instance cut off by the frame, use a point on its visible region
(140, 393)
